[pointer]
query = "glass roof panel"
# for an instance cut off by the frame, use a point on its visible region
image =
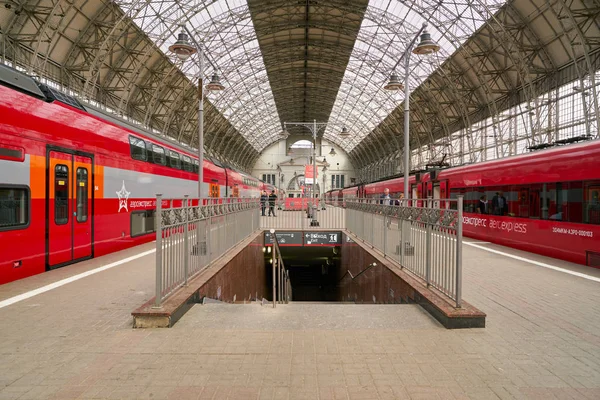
(226, 31)
(389, 25)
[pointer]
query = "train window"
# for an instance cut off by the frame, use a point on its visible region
(174, 160)
(187, 164)
(158, 155)
(14, 207)
(61, 194)
(196, 169)
(137, 148)
(142, 222)
(82, 194)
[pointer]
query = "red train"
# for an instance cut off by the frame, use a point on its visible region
(76, 184)
(552, 196)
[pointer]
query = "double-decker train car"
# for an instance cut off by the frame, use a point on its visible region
(551, 197)
(242, 185)
(75, 183)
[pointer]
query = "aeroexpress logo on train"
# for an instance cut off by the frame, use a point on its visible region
(123, 197)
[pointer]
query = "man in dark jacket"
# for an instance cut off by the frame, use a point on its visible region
(272, 198)
(263, 202)
(499, 204)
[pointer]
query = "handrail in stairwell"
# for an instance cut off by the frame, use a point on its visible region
(283, 276)
(353, 277)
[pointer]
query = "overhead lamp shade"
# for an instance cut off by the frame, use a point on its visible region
(215, 83)
(344, 132)
(332, 152)
(292, 163)
(393, 84)
(182, 47)
(427, 45)
(290, 151)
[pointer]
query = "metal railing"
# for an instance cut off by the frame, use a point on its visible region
(303, 213)
(191, 233)
(282, 285)
(424, 236)
(353, 277)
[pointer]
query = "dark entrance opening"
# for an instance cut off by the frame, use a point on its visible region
(314, 272)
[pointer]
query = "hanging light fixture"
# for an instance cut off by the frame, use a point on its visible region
(344, 132)
(215, 83)
(182, 47)
(394, 83)
(332, 152)
(290, 151)
(427, 45)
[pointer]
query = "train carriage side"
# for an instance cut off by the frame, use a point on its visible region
(552, 197)
(74, 185)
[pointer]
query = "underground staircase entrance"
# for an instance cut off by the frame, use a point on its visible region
(328, 267)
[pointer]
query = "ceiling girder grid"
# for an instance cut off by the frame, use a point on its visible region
(306, 46)
(521, 55)
(94, 48)
(450, 113)
(531, 62)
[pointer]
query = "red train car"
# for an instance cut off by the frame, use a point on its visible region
(74, 185)
(552, 201)
(551, 197)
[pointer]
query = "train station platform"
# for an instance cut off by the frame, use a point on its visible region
(67, 334)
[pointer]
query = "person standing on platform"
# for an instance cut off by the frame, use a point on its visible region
(263, 202)
(385, 197)
(272, 199)
(398, 201)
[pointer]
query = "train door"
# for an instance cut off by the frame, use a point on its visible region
(214, 190)
(436, 192)
(534, 201)
(69, 200)
(443, 193)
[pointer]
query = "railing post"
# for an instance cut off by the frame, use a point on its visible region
(280, 280)
(287, 282)
(428, 229)
(186, 243)
(274, 258)
(158, 220)
(402, 246)
(459, 233)
(385, 229)
(208, 232)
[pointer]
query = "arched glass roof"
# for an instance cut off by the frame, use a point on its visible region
(300, 61)
(386, 30)
(227, 31)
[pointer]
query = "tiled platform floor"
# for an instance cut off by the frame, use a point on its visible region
(542, 341)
